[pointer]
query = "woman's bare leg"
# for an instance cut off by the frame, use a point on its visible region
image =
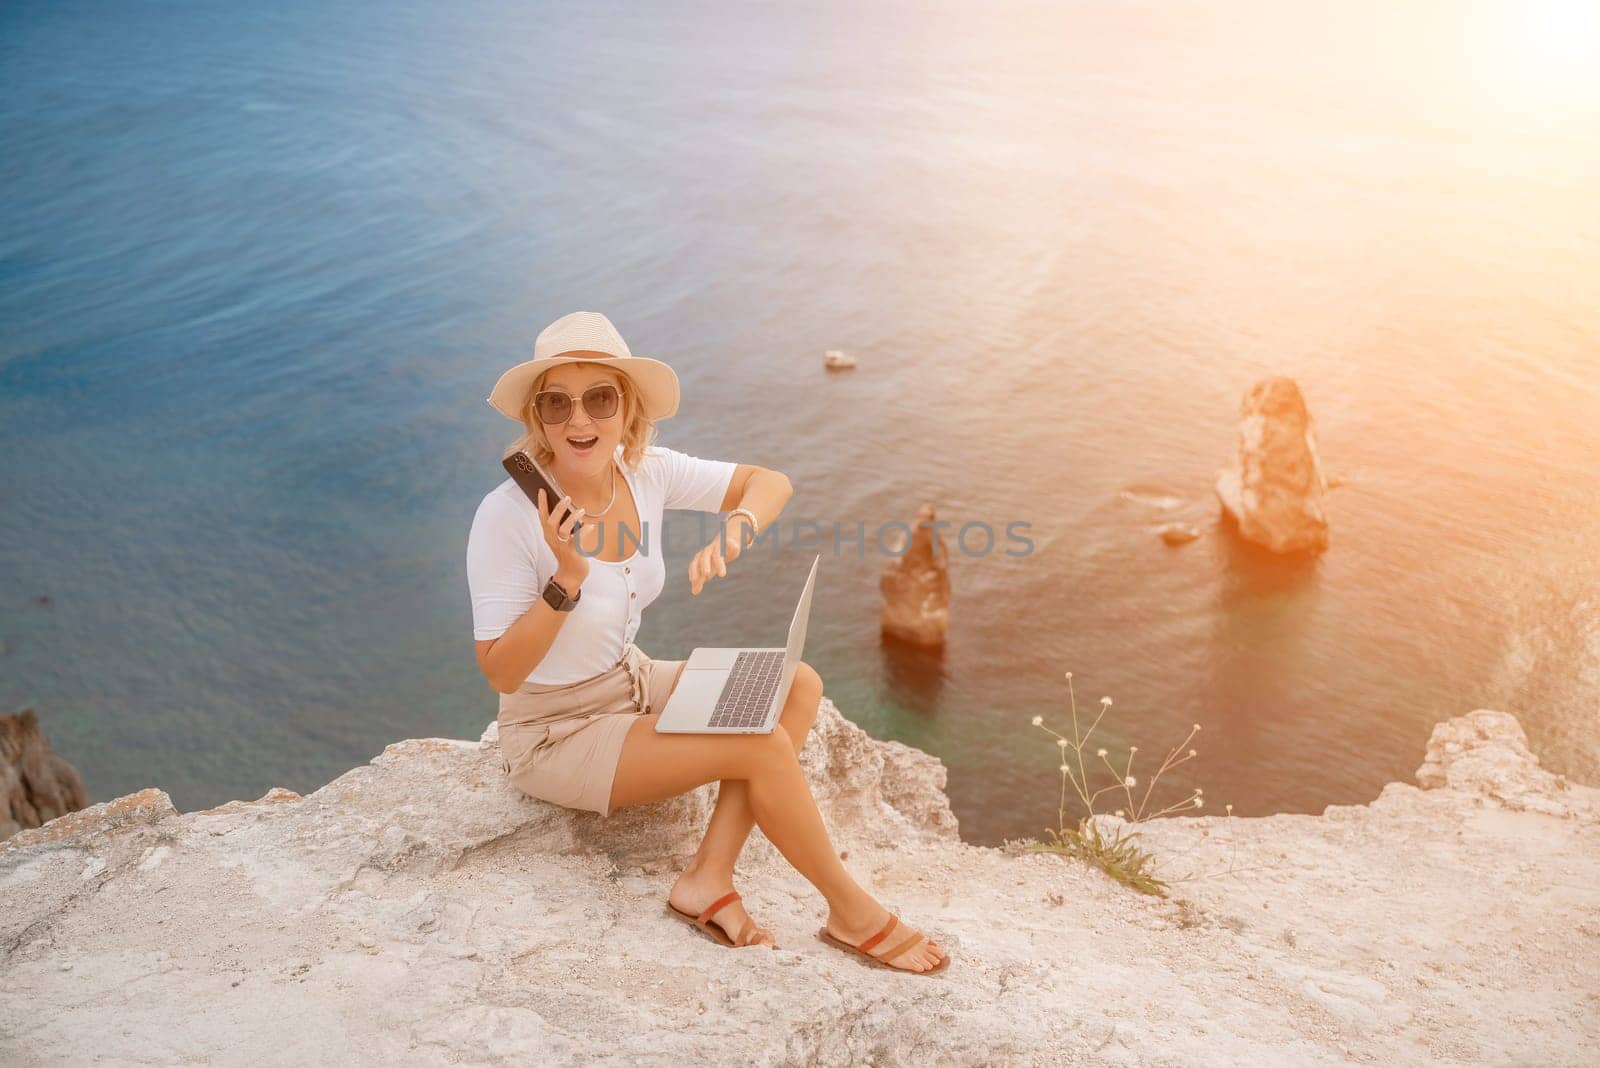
(709, 873)
(657, 766)
(732, 818)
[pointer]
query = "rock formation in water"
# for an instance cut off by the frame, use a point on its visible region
(916, 585)
(419, 909)
(835, 360)
(1274, 491)
(1177, 533)
(36, 784)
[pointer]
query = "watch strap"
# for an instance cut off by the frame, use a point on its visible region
(557, 597)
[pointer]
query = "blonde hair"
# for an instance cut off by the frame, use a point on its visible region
(638, 431)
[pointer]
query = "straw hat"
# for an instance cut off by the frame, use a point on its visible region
(586, 337)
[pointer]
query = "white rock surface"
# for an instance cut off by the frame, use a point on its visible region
(420, 910)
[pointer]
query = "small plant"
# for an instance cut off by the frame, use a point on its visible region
(1116, 854)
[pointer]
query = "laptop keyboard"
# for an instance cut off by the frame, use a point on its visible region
(747, 695)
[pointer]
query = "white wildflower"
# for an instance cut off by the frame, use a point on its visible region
(1130, 781)
(1105, 700)
(1199, 803)
(1063, 767)
(1038, 721)
(1193, 753)
(1119, 813)
(1062, 742)
(1100, 752)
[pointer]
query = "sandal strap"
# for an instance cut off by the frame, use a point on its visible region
(901, 948)
(731, 895)
(749, 926)
(881, 935)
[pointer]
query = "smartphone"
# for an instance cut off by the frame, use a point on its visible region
(532, 479)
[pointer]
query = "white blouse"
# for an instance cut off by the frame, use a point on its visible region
(509, 563)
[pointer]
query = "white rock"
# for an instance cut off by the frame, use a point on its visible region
(517, 932)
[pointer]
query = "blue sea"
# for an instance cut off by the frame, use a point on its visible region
(261, 264)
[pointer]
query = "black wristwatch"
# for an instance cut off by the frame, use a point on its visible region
(556, 596)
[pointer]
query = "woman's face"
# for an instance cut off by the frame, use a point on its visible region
(599, 437)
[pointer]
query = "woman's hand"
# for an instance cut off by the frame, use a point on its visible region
(572, 567)
(712, 561)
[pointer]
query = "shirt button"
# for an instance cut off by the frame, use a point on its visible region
(626, 570)
(633, 594)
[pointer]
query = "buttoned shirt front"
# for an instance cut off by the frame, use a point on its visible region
(509, 562)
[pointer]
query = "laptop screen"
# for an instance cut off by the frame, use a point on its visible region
(802, 612)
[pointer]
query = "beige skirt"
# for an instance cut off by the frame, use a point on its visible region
(561, 743)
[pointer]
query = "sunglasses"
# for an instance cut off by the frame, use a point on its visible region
(555, 405)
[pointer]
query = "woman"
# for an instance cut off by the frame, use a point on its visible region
(554, 616)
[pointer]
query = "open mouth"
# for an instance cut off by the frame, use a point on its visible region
(582, 444)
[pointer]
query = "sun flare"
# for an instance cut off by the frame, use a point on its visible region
(1539, 61)
(1562, 34)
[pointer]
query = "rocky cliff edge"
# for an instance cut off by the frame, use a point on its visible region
(419, 909)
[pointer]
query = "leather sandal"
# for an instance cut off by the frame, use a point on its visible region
(715, 930)
(883, 959)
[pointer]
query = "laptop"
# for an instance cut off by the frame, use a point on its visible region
(737, 691)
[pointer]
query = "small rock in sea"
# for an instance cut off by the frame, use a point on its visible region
(1273, 491)
(1177, 533)
(916, 584)
(834, 360)
(43, 598)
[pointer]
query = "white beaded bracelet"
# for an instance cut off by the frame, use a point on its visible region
(755, 525)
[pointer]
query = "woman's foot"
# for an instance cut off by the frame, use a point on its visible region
(694, 890)
(854, 929)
